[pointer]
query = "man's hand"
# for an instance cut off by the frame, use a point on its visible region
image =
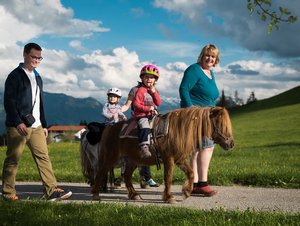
(22, 129)
(45, 132)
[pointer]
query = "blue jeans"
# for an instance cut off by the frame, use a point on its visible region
(145, 172)
(206, 143)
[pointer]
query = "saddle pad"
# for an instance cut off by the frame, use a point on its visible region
(159, 125)
(129, 129)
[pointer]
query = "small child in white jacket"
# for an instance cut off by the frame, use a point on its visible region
(112, 110)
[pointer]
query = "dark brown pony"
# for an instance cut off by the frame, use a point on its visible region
(186, 127)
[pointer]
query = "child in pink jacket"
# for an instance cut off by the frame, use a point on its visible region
(144, 106)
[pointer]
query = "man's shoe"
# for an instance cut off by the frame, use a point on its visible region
(59, 194)
(205, 191)
(150, 183)
(12, 198)
(145, 153)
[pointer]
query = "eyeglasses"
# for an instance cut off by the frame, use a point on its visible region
(36, 58)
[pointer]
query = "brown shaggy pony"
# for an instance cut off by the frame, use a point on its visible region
(186, 128)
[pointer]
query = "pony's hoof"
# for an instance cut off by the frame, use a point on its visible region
(171, 200)
(96, 197)
(186, 194)
(135, 197)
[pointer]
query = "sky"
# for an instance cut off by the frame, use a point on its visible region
(92, 45)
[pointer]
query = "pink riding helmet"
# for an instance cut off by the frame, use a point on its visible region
(151, 70)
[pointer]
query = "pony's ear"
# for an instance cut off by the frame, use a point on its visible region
(215, 111)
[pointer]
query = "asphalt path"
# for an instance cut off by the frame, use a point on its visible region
(229, 198)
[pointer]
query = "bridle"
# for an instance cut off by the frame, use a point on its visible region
(217, 132)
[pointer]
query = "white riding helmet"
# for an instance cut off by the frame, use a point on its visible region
(114, 91)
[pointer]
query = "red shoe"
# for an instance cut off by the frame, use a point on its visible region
(205, 191)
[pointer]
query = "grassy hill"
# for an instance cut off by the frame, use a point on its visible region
(289, 97)
(270, 121)
(267, 143)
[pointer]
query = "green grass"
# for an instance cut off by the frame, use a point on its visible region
(43, 213)
(267, 150)
(266, 154)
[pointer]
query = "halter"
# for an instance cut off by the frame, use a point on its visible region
(228, 140)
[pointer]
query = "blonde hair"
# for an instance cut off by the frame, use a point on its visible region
(210, 48)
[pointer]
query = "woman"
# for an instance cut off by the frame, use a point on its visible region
(198, 88)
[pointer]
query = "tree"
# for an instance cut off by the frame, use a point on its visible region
(239, 101)
(251, 98)
(83, 122)
(226, 101)
(265, 11)
(222, 101)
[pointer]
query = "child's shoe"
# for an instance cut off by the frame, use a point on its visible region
(117, 182)
(145, 153)
(150, 183)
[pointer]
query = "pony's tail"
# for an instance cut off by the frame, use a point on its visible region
(86, 167)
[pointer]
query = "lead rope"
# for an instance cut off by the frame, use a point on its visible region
(157, 162)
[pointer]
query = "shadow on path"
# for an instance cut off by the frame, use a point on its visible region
(228, 198)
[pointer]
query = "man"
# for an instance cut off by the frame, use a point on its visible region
(26, 124)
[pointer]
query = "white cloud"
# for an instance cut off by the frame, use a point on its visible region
(178, 49)
(264, 78)
(88, 85)
(76, 44)
(232, 19)
(120, 68)
(91, 74)
(187, 7)
(13, 30)
(42, 17)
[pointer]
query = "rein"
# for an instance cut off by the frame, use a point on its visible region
(155, 123)
(219, 133)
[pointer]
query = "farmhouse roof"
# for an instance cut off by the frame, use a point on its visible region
(65, 128)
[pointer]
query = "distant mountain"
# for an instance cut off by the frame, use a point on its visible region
(64, 110)
(67, 110)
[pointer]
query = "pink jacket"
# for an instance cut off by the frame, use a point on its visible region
(143, 100)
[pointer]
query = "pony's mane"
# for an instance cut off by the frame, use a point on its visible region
(187, 126)
(224, 123)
